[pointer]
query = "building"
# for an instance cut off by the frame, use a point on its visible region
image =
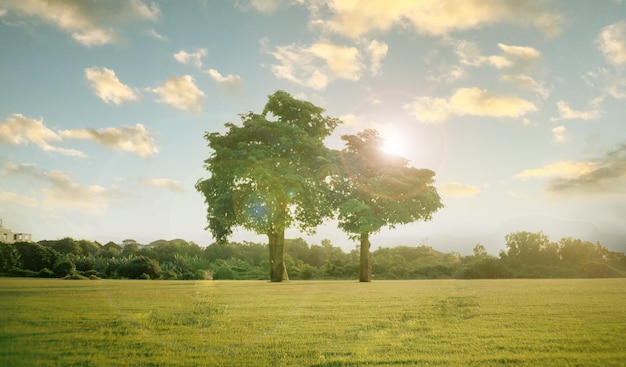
(8, 236)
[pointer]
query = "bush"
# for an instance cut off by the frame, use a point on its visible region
(18, 272)
(64, 268)
(45, 273)
(137, 267)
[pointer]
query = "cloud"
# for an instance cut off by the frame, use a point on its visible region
(377, 51)
(561, 169)
(164, 183)
(566, 113)
(193, 58)
(612, 43)
(230, 82)
(182, 93)
(605, 175)
(135, 139)
(106, 85)
(156, 35)
(457, 189)
(526, 82)
(353, 18)
(263, 6)
(318, 64)
(8, 197)
(468, 101)
(2, 12)
(559, 134)
(480, 102)
(89, 23)
(18, 129)
(63, 193)
(512, 57)
(429, 109)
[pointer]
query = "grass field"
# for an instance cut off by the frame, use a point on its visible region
(313, 323)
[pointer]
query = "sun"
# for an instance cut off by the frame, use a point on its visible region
(394, 144)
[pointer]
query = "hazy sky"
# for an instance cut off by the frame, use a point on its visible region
(518, 106)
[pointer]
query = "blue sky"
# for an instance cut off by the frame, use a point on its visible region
(517, 106)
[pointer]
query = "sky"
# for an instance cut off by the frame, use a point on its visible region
(518, 106)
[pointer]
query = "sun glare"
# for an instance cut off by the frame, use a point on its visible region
(394, 144)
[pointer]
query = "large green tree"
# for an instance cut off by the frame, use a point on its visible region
(269, 174)
(375, 190)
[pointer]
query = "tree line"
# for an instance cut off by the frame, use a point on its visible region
(526, 255)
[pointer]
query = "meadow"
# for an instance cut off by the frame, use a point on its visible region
(54, 322)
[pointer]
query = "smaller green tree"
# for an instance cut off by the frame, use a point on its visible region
(375, 189)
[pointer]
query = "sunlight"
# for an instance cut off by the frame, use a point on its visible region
(395, 144)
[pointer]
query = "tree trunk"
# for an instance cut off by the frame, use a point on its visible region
(366, 260)
(278, 270)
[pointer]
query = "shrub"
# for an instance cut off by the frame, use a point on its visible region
(64, 268)
(45, 273)
(137, 267)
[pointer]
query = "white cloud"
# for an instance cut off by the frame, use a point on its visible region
(526, 82)
(263, 6)
(164, 183)
(2, 12)
(182, 93)
(230, 82)
(193, 58)
(513, 57)
(468, 101)
(317, 65)
(559, 134)
(63, 193)
(429, 109)
(89, 23)
(354, 18)
(446, 74)
(18, 129)
(605, 175)
(156, 35)
(457, 189)
(567, 113)
(135, 139)
(560, 169)
(8, 197)
(106, 85)
(612, 43)
(480, 102)
(377, 50)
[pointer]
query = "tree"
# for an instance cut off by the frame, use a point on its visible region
(269, 174)
(375, 189)
(530, 248)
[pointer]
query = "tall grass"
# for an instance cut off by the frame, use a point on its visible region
(321, 323)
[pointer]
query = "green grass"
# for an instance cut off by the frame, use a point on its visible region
(313, 323)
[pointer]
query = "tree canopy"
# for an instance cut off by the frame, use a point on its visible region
(269, 174)
(376, 189)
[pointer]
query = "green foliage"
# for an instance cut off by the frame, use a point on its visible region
(35, 257)
(181, 260)
(140, 268)
(374, 189)
(9, 257)
(269, 174)
(63, 268)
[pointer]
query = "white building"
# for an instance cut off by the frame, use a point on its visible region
(8, 236)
